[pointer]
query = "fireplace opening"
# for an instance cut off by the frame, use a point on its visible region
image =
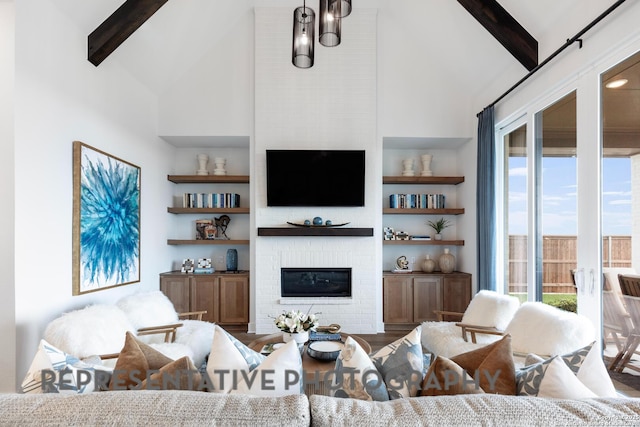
(315, 282)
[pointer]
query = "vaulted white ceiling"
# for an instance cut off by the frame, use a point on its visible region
(182, 31)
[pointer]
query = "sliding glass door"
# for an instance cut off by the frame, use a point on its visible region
(539, 205)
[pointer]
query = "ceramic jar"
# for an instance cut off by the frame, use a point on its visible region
(447, 262)
(428, 265)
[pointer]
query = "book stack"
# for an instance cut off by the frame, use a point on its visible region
(210, 200)
(416, 201)
(323, 336)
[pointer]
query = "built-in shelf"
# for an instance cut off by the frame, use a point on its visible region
(314, 231)
(209, 179)
(208, 210)
(423, 180)
(207, 242)
(425, 242)
(412, 211)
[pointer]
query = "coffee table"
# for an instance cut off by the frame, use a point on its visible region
(313, 368)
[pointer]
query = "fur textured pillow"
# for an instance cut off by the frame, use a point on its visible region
(96, 329)
(545, 330)
(146, 309)
(491, 309)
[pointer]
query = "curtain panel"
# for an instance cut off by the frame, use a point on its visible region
(486, 201)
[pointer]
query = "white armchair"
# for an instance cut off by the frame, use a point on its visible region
(488, 311)
(534, 328)
(101, 329)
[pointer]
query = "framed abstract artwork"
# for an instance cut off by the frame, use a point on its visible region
(106, 220)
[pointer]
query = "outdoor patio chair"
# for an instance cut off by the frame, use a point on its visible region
(630, 288)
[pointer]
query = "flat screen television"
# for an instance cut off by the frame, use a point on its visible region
(315, 177)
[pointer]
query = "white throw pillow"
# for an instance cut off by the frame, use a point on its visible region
(551, 378)
(585, 364)
(280, 374)
(545, 330)
(229, 357)
(491, 309)
(62, 372)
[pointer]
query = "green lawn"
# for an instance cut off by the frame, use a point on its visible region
(564, 301)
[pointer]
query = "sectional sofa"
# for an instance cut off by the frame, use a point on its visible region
(190, 408)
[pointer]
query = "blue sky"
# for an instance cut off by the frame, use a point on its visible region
(559, 196)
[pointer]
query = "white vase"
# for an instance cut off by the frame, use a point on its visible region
(299, 337)
(437, 236)
(428, 265)
(447, 262)
(203, 159)
(426, 165)
(408, 167)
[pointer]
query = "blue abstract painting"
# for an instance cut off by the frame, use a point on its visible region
(106, 220)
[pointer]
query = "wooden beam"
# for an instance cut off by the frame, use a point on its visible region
(505, 29)
(119, 26)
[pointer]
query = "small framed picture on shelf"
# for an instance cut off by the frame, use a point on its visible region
(389, 234)
(187, 265)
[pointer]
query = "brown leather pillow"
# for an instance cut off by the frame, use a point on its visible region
(494, 366)
(446, 377)
(180, 374)
(135, 359)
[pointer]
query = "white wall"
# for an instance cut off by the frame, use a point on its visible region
(329, 106)
(7, 195)
(60, 97)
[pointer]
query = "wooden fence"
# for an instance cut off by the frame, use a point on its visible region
(559, 258)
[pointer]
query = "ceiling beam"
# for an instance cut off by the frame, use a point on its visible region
(505, 29)
(119, 26)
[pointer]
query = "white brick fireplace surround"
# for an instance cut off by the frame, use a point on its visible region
(329, 106)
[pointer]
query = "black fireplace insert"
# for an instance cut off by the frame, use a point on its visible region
(316, 282)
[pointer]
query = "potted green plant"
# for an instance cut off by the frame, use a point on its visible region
(438, 226)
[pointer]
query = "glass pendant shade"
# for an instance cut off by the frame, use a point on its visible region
(304, 19)
(340, 8)
(329, 25)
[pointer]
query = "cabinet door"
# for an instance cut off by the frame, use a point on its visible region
(234, 299)
(204, 296)
(456, 292)
(427, 297)
(176, 288)
(397, 299)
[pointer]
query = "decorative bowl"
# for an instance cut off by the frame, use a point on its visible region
(325, 350)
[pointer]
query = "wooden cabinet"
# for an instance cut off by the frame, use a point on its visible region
(225, 296)
(411, 298)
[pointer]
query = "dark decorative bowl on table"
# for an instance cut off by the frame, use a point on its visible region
(325, 350)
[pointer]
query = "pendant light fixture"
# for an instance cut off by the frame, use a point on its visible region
(329, 24)
(340, 8)
(304, 20)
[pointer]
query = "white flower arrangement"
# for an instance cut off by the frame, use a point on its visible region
(296, 321)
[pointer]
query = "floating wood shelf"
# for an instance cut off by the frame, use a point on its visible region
(400, 211)
(207, 242)
(425, 242)
(424, 180)
(209, 179)
(315, 231)
(208, 210)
